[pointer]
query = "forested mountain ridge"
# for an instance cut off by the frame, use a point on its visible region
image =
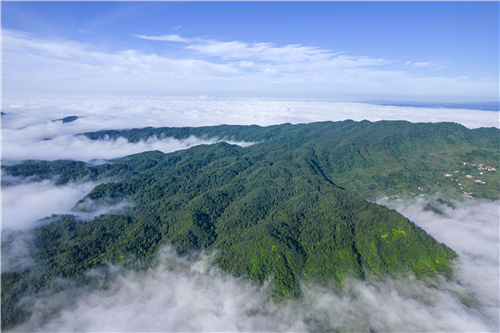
(366, 158)
(277, 210)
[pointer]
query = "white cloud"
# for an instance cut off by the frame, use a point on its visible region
(471, 228)
(262, 51)
(43, 65)
(166, 38)
(434, 64)
(83, 149)
(16, 249)
(25, 201)
(28, 131)
(466, 227)
(293, 53)
(422, 64)
(24, 204)
(35, 65)
(30, 117)
(114, 112)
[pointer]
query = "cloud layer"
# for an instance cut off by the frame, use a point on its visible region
(24, 204)
(471, 228)
(29, 132)
(81, 148)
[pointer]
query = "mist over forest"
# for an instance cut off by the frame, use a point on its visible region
(188, 292)
(30, 132)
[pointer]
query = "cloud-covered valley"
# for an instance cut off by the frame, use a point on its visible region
(25, 203)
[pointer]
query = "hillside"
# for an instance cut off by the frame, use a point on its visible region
(366, 158)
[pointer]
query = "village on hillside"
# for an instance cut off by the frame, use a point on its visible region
(464, 180)
(476, 179)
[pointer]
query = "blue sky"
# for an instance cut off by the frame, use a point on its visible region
(420, 51)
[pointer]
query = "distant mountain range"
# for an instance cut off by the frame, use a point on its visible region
(484, 106)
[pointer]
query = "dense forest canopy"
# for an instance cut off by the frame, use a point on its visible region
(290, 207)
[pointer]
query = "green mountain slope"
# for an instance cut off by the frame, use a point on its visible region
(366, 158)
(278, 210)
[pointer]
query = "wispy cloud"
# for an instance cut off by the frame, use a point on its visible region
(36, 65)
(422, 64)
(59, 64)
(24, 204)
(165, 38)
(268, 51)
(434, 64)
(262, 51)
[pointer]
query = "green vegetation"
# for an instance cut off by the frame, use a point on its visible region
(289, 208)
(365, 158)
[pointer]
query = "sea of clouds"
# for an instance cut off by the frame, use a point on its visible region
(29, 131)
(188, 293)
